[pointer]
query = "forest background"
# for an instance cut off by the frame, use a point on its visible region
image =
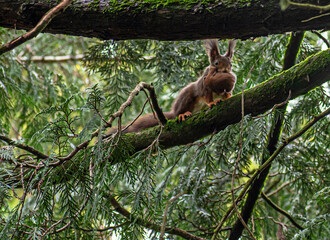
(260, 172)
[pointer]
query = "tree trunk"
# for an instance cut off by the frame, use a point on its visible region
(165, 21)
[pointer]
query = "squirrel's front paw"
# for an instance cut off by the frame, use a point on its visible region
(183, 116)
(211, 104)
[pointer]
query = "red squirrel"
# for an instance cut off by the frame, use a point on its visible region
(217, 81)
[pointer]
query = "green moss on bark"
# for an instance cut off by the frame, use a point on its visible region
(257, 100)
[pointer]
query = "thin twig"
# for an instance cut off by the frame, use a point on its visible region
(313, 18)
(42, 24)
(103, 229)
(24, 147)
(136, 118)
(310, 6)
(155, 104)
(172, 230)
(280, 188)
(236, 165)
(321, 36)
(275, 106)
(162, 229)
(128, 102)
(52, 59)
(277, 222)
(25, 190)
(280, 210)
(228, 213)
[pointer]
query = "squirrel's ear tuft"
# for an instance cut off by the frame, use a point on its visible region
(230, 52)
(211, 48)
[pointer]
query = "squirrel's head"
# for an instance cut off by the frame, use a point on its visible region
(221, 62)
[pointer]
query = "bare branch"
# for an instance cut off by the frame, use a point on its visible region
(323, 38)
(150, 225)
(306, 5)
(162, 230)
(275, 106)
(24, 147)
(280, 210)
(37, 29)
(52, 59)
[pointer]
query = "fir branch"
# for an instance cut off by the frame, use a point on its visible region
(267, 163)
(150, 225)
(290, 56)
(42, 24)
(24, 147)
(280, 210)
(162, 230)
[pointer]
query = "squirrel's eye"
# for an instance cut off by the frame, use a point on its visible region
(215, 63)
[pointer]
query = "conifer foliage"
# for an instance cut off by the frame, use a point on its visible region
(60, 178)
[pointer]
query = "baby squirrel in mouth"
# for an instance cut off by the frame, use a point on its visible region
(216, 83)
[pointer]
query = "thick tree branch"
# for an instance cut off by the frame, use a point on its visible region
(300, 79)
(165, 20)
(309, 74)
(42, 24)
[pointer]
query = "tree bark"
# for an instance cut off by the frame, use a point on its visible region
(165, 21)
(300, 79)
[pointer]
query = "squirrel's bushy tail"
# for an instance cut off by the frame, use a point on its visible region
(146, 121)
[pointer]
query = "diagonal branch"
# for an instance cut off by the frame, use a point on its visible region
(266, 165)
(24, 147)
(300, 79)
(150, 225)
(42, 24)
(280, 210)
(290, 56)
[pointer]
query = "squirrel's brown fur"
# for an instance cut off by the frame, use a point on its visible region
(217, 81)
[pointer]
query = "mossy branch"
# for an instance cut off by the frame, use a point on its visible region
(300, 79)
(164, 20)
(42, 24)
